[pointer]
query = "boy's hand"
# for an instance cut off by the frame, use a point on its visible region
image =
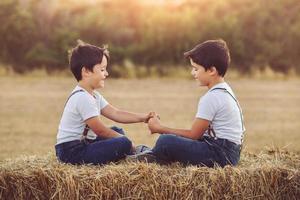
(154, 125)
(149, 116)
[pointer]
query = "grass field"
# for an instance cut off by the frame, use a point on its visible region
(30, 112)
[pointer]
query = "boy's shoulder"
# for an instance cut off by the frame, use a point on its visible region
(82, 92)
(217, 95)
(220, 89)
(79, 95)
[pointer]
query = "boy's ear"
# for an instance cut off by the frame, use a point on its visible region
(85, 71)
(213, 70)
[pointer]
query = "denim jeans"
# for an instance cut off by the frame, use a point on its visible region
(98, 151)
(205, 152)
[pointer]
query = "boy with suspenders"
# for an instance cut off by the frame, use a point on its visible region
(215, 136)
(82, 137)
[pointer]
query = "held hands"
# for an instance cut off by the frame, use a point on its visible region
(149, 116)
(154, 125)
(153, 121)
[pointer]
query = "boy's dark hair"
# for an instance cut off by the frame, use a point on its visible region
(86, 55)
(211, 53)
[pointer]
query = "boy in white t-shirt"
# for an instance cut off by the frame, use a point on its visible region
(82, 137)
(215, 136)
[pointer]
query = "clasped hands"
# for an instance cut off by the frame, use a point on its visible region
(154, 124)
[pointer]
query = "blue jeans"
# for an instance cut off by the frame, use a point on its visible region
(98, 151)
(205, 152)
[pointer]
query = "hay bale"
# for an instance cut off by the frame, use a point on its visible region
(269, 175)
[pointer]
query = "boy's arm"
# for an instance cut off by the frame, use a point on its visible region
(125, 117)
(100, 129)
(198, 128)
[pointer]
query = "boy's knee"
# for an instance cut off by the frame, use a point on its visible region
(164, 147)
(126, 144)
(166, 139)
(164, 143)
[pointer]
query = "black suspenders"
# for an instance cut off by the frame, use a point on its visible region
(86, 128)
(211, 131)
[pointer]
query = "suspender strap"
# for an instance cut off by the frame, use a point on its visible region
(86, 128)
(211, 131)
(72, 95)
(85, 131)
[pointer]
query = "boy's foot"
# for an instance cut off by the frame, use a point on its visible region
(145, 156)
(141, 148)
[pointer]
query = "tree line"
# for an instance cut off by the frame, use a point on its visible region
(39, 33)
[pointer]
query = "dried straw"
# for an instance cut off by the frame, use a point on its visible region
(273, 174)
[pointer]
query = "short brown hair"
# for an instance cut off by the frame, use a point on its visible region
(211, 53)
(86, 55)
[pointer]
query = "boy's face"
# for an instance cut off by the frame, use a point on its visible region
(99, 74)
(199, 74)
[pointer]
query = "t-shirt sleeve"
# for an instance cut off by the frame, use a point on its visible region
(87, 107)
(207, 107)
(103, 102)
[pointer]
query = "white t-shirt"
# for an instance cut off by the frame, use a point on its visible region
(220, 108)
(80, 107)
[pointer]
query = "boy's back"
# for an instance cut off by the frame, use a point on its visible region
(219, 106)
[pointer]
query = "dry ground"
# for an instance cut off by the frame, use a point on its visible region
(30, 109)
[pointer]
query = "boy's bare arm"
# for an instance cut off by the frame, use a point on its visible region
(100, 129)
(122, 116)
(198, 128)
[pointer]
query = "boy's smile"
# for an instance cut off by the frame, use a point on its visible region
(99, 74)
(199, 74)
(94, 79)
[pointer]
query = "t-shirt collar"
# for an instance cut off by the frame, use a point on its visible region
(81, 88)
(219, 85)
